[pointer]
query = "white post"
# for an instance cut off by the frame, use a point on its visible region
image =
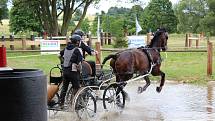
(98, 29)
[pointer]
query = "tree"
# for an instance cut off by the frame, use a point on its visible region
(135, 11)
(208, 22)
(49, 11)
(85, 26)
(23, 19)
(117, 11)
(3, 10)
(159, 13)
(189, 13)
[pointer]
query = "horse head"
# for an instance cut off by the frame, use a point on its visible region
(159, 40)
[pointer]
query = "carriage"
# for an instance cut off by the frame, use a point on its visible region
(84, 103)
(123, 65)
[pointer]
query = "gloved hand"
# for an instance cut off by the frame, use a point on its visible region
(94, 52)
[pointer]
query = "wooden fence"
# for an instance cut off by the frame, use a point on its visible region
(190, 38)
(33, 41)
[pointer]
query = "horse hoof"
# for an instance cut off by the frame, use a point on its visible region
(158, 89)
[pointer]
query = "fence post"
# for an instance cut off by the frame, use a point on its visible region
(210, 58)
(186, 40)
(190, 40)
(197, 41)
(98, 56)
(23, 43)
(89, 42)
(102, 38)
(3, 39)
(106, 36)
(32, 39)
(67, 39)
(109, 38)
(12, 42)
(45, 35)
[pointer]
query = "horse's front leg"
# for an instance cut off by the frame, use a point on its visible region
(158, 89)
(141, 89)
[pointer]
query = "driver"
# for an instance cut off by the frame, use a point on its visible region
(71, 57)
(86, 48)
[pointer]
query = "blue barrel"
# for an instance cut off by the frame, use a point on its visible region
(23, 95)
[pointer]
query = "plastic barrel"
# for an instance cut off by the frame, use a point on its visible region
(23, 95)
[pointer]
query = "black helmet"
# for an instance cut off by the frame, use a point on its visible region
(75, 38)
(79, 32)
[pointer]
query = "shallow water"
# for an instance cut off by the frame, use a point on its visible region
(176, 102)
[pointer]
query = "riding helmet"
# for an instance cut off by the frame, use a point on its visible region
(79, 32)
(75, 38)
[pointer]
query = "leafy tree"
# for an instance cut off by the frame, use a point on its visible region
(114, 24)
(49, 11)
(3, 10)
(95, 22)
(159, 13)
(77, 15)
(23, 19)
(135, 11)
(117, 11)
(189, 13)
(85, 26)
(208, 22)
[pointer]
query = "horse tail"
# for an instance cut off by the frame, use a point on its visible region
(111, 56)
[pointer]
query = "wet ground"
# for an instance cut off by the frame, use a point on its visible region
(176, 102)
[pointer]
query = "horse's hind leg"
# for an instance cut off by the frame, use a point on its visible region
(141, 89)
(147, 83)
(158, 89)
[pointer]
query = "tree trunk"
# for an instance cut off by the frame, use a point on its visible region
(66, 20)
(49, 15)
(67, 17)
(54, 22)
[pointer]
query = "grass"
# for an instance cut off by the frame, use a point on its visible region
(186, 67)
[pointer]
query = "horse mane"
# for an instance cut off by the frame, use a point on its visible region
(155, 39)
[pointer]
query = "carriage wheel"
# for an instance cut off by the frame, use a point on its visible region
(84, 103)
(113, 98)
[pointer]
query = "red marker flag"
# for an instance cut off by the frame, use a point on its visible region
(3, 61)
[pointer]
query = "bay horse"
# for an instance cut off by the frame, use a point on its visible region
(140, 60)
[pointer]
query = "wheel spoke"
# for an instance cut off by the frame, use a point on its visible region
(85, 104)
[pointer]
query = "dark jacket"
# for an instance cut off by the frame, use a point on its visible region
(76, 57)
(86, 48)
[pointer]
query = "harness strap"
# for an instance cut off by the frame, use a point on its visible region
(150, 58)
(148, 54)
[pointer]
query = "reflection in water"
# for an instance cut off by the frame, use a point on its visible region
(176, 102)
(210, 98)
(210, 101)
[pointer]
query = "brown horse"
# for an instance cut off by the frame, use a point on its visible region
(142, 61)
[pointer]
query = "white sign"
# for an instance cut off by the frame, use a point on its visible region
(136, 41)
(50, 45)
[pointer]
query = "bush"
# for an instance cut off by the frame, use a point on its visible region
(120, 42)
